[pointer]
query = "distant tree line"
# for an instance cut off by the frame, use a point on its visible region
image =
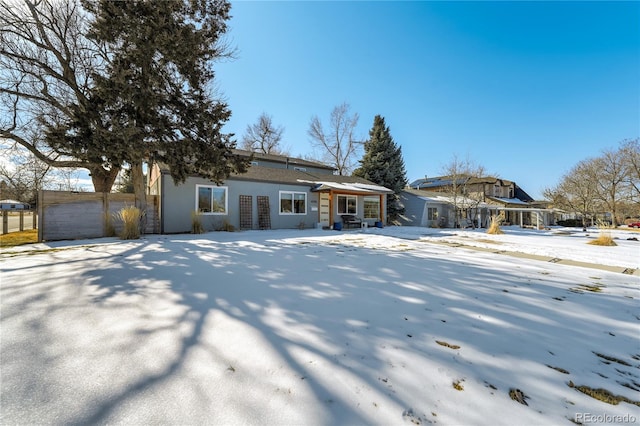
(609, 183)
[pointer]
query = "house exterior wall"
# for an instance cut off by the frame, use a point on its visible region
(413, 209)
(179, 201)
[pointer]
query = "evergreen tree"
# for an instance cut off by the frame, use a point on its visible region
(382, 164)
(155, 98)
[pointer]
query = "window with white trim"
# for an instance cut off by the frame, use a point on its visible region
(371, 206)
(293, 202)
(211, 199)
(432, 213)
(347, 204)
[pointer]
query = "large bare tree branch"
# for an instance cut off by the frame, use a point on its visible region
(46, 68)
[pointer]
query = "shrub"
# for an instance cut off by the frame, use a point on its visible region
(130, 217)
(196, 223)
(570, 223)
(494, 228)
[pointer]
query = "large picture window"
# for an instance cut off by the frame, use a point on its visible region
(347, 204)
(211, 199)
(371, 207)
(293, 202)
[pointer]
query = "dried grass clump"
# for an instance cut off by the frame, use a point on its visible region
(196, 223)
(109, 229)
(604, 237)
(130, 218)
(226, 226)
(494, 228)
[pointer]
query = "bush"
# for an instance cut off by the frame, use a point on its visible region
(570, 223)
(130, 217)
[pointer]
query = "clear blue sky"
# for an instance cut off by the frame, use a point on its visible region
(525, 89)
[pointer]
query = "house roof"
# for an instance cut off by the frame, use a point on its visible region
(316, 181)
(283, 159)
(12, 202)
(345, 185)
(440, 181)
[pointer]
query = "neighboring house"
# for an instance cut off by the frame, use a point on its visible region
(436, 209)
(424, 208)
(276, 192)
(13, 205)
(479, 199)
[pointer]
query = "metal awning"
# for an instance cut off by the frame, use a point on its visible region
(349, 187)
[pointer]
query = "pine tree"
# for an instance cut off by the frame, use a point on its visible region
(382, 164)
(155, 98)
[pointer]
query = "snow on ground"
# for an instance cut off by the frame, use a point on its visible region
(379, 326)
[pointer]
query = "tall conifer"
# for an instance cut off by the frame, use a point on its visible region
(382, 164)
(155, 99)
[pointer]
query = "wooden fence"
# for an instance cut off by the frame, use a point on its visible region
(78, 215)
(18, 220)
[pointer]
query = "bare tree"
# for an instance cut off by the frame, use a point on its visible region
(263, 136)
(630, 152)
(337, 143)
(46, 69)
(576, 192)
(609, 175)
(23, 174)
(465, 194)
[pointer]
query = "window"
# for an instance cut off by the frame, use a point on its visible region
(371, 207)
(347, 204)
(293, 202)
(432, 213)
(211, 199)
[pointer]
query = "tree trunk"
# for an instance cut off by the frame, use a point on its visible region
(102, 179)
(139, 191)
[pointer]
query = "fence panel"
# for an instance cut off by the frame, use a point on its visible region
(81, 215)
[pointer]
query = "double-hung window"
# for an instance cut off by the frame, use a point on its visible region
(293, 202)
(211, 199)
(347, 204)
(371, 207)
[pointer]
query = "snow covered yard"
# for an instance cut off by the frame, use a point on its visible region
(391, 326)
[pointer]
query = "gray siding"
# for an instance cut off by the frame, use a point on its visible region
(413, 209)
(178, 203)
(415, 213)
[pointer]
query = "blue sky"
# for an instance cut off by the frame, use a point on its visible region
(525, 89)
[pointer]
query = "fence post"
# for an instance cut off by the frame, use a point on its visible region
(21, 220)
(5, 222)
(40, 215)
(34, 218)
